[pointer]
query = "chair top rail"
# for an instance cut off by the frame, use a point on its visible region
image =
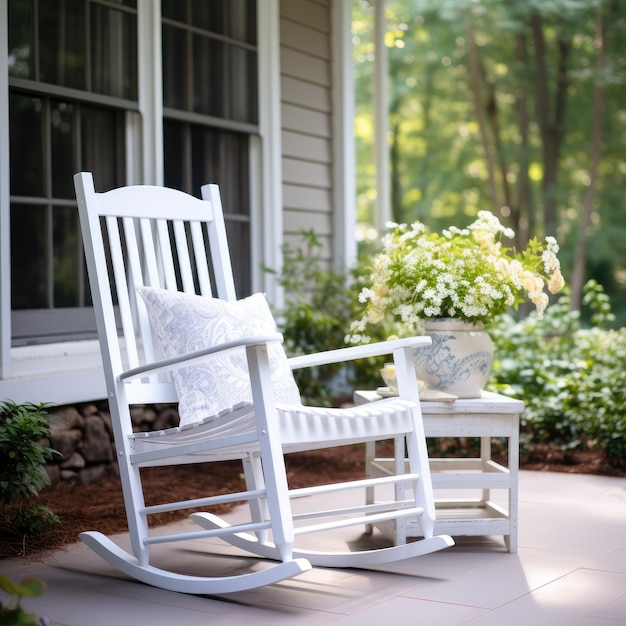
(152, 202)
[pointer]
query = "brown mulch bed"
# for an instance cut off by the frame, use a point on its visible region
(100, 506)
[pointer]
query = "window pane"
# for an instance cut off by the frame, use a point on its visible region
(242, 20)
(208, 15)
(208, 76)
(243, 86)
(62, 43)
(236, 167)
(66, 257)
(175, 10)
(222, 157)
(113, 52)
(29, 256)
(206, 157)
(63, 142)
(239, 243)
(26, 128)
(21, 38)
(127, 3)
(174, 155)
(102, 146)
(175, 68)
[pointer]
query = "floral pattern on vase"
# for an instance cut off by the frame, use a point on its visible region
(459, 359)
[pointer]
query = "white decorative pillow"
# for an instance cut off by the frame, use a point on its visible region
(185, 322)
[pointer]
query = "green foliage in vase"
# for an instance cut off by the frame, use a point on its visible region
(468, 274)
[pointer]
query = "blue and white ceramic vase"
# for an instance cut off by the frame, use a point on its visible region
(459, 359)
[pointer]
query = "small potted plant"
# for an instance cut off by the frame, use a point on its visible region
(450, 283)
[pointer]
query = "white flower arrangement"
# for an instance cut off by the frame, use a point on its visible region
(465, 274)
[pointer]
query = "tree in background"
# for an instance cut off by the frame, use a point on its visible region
(516, 107)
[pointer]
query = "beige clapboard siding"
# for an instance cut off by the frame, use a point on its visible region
(306, 147)
(306, 114)
(314, 200)
(313, 13)
(300, 92)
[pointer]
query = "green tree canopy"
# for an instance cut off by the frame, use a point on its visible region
(516, 107)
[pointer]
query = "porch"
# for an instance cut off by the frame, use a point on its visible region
(570, 569)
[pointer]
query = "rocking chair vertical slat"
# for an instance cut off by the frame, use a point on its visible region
(121, 277)
(224, 282)
(165, 254)
(223, 363)
(152, 264)
(200, 259)
(184, 260)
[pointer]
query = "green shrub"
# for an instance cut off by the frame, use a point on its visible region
(319, 305)
(23, 455)
(11, 611)
(571, 378)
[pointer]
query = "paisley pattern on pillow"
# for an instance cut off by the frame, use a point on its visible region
(185, 322)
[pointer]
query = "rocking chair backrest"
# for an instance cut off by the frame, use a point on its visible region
(131, 241)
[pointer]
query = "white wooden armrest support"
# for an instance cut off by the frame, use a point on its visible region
(192, 358)
(357, 352)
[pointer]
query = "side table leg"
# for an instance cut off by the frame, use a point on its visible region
(485, 455)
(370, 495)
(511, 543)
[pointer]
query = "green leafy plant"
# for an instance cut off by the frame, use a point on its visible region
(11, 611)
(571, 378)
(24, 429)
(319, 304)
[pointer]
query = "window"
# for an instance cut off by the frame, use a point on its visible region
(73, 105)
(210, 109)
(73, 81)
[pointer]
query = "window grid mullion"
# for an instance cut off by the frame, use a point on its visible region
(49, 254)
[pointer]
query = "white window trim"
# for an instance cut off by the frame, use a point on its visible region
(5, 237)
(344, 164)
(61, 373)
(267, 228)
(150, 90)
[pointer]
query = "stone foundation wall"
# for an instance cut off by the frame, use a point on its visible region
(83, 434)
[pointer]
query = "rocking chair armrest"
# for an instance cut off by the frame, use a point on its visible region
(357, 352)
(192, 358)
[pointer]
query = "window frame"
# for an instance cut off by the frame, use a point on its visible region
(70, 371)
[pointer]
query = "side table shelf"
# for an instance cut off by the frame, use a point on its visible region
(487, 417)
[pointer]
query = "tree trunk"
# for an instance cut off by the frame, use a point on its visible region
(474, 82)
(524, 228)
(578, 271)
(551, 123)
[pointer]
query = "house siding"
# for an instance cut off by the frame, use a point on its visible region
(306, 112)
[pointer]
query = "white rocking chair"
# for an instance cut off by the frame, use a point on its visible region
(149, 251)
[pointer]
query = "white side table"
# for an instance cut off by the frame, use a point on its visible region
(491, 415)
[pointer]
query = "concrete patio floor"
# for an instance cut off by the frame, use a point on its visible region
(570, 569)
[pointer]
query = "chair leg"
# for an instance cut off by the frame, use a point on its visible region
(134, 502)
(253, 473)
(424, 497)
